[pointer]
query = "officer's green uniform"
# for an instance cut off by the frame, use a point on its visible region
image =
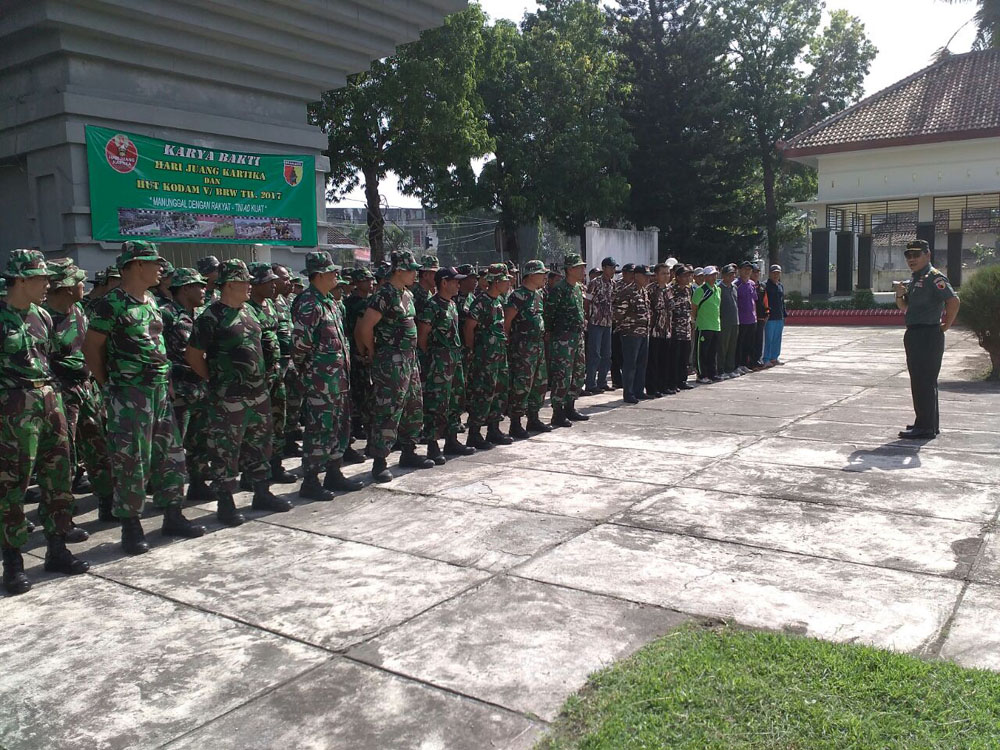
(526, 351)
(926, 293)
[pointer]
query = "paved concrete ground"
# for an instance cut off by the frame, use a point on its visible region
(457, 608)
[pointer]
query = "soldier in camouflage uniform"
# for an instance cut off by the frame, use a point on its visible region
(463, 301)
(423, 290)
(81, 397)
(444, 381)
(388, 334)
(161, 292)
(38, 436)
(263, 292)
(125, 351)
(564, 320)
(361, 373)
(208, 267)
(488, 381)
(283, 300)
(321, 356)
(523, 318)
(225, 349)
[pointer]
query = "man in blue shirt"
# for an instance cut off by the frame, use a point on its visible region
(776, 317)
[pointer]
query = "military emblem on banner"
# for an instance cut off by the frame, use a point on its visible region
(121, 153)
(293, 172)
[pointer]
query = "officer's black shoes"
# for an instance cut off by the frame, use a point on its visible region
(291, 449)
(246, 483)
(534, 424)
(76, 535)
(918, 434)
(58, 559)
(685, 386)
(454, 448)
(198, 492)
(264, 499)
(279, 475)
(475, 440)
(336, 481)
(631, 400)
(516, 430)
(910, 427)
(496, 437)
(379, 471)
(311, 488)
(175, 524)
(14, 580)
(559, 417)
(589, 392)
(352, 456)
(105, 507)
(225, 509)
(410, 460)
(133, 540)
(434, 453)
(573, 415)
(81, 485)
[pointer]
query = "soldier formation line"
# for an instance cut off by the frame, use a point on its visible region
(208, 377)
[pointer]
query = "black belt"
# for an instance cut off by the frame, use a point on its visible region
(922, 325)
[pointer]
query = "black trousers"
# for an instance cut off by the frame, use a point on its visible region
(924, 350)
(758, 342)
(616, 359)
(706, 352)
(744, 344)
(680, 353)
(657, 365)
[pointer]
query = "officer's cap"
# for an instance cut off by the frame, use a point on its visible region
(918, 245)
(609, 261)
(628, 268)
(447, 273)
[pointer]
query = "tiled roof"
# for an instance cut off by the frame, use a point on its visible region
(954, 99)
(338, 238)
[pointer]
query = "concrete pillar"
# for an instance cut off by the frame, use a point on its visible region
(955, 257)
(866, 261)
(845, 264)
(926, 231)
(822, 241)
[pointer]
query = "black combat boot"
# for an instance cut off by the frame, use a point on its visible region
(496, 437)
(535, 424)
(264, 499)
(76, 535)
(409, 459)
(336, 481)
(291, 449)
(516, 430)
(175, 524)
(133, 540)
(352, 456)
(559, 418)
(58, 559)
(225, 509)
(105, 509)
(246, 483)
(379, 471)
(198, 491)
(434, 453)
(278, 473)
(573, 415)
(81, 484)
(33, 496)
(454, 448)
(311, 488)
(14, 579)
(475, 440)
(357, 429)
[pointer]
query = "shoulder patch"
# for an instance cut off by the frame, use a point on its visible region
(941, 282)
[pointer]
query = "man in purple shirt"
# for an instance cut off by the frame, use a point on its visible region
(746, 307)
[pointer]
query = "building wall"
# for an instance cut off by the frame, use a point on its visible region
(625, 246)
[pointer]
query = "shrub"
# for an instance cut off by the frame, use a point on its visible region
(793, 301)
(863, 299)
(980, 311)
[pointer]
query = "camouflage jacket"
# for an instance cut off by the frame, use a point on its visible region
(231, 340)
(178, 324)
(283, 308)
(136, 353)
(680, 312)
(68, 332)
(442, 316)
(529, 323)
(26, 339)
(268, 318)
(564, 310)
(601, 291)
(420, 297)
(319, 348)
(490, 338)
(398, 328)
(660, 301)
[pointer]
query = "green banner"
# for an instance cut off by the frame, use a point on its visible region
(146, 188)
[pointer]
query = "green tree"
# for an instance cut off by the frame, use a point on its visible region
(416, 113)
(987, 20)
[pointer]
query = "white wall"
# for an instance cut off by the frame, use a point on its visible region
(624, 245)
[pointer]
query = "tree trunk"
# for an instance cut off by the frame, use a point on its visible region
(994, 352)
(376, 222)
(770, 208)
(509, 248)
(583, 239)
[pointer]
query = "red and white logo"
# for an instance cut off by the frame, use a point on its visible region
(121, 154)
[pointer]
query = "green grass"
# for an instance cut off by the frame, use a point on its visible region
(720, 687)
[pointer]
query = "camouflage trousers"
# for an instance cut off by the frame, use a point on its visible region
(327, 431)
(488, 385)
(145, 448)
(88, 441)
(238, 439)
(294, 394)
(195, 436)
(361, 391)
(567, 369)
(398, 404)
(37, 437)
(528, 377)
(278, 393)
(444, 393)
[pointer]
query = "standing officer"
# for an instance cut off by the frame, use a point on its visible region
(361, 372)
(444, 381)
(565, 323)
(125, 351)
(923, 299)
(484, 333)
(321, 356)
(388, 335)
(631, 317)
(33, 432)
(525, 325)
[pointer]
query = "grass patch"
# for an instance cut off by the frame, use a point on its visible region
(721, 687)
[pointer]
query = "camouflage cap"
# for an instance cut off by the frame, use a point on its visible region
(207, 265)
(403, 260)
(100, 278)
(136, 250)
(64, 273)
(166, 268)
(319, 261)
(573, 260)
(511, 266)
(534, 266)
(25, 263)
(344, 281)
(360, 274)
(296, 278)
(467, 269)
(429, 263)
(383, 271)
(261, 273)
(112, 272)
(497, 272)
(3, 287)
(233, 269)
(185, 276)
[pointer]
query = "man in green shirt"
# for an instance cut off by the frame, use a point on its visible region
(706, 300)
